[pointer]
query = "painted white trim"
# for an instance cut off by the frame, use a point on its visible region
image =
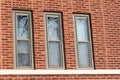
(56, 72)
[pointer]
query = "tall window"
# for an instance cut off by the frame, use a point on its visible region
(54, 41)
(23, 48)
(83, 41)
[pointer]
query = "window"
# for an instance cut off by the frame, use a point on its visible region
(83, 41)
(54, 40)
(23, 46)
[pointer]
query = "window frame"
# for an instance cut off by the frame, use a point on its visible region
(90, 46)
(54, 14)
(29, 14)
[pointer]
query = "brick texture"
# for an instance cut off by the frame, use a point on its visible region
(105, 26)
(60, 77)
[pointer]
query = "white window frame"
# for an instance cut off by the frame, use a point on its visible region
(89, 41)
(52, 14)
(29, 13)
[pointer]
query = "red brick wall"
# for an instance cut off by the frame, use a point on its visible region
(105, 16)
(0, 38)
(60, 77)
(112, 27)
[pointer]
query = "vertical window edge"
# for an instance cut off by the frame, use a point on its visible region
(90, 41)
(14, 12)
(46, 14)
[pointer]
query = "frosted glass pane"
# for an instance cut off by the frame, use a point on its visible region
(22, 26)
(83, 54)
(23, 46)
(53, 28)
(23, 59)
(54, 54)
(81, 25)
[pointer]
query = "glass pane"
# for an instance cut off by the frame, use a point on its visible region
(83, 54)
(53, 28)
(23, 47)
(81, 26)
(54, 54)
(23, 59)
(22, 26)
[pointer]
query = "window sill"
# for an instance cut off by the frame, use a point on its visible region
(56, 72)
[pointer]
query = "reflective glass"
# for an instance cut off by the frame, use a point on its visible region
(53, 28)
(54, 54)
(81, 25)
(22, 26)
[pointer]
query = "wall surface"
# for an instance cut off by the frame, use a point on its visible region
(61, 77)
(105, 25)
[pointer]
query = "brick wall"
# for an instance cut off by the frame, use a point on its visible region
(0, 38)
(60, 77)
(105, 16)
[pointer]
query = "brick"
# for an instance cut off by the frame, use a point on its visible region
(105, 26)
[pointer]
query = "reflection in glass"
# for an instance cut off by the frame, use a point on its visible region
(22, 26)
(23, 46)
(54, 54)
(81, 25)
(53, 28)
(23, 59)
(83, 53)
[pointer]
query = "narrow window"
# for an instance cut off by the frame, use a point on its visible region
(54, 40)
(83, 41)
(23, 48)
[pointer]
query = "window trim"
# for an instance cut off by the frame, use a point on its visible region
(54, 14)
(17, 12)
(89, 41)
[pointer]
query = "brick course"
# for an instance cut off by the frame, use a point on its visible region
(60, 77)
(105, 25)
